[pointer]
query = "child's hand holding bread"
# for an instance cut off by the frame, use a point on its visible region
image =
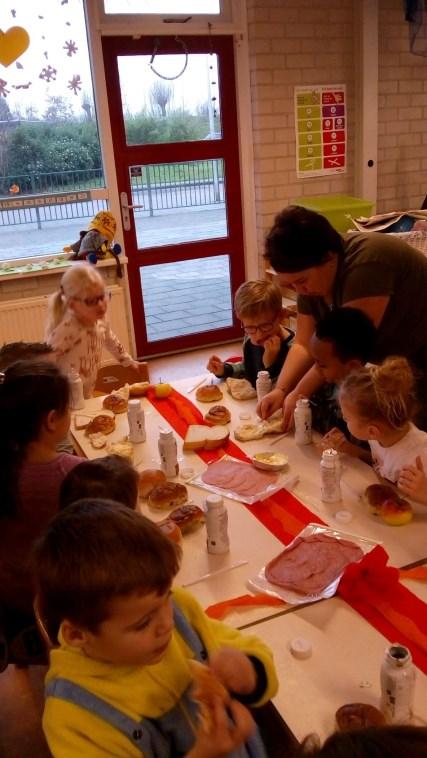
(215, 365)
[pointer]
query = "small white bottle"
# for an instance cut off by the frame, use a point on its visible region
(217, 539)
(136, 420)
(302, 419)
(77, 400)
(168, 452)
(330, 476)
(397, 684)
(263, 384)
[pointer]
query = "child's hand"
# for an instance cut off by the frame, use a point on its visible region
(215, 365)
(234, 669)
(225, 736)
(335, 438)
(413, 481)
(271, 350)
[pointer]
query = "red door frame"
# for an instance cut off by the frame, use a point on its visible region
(225, 148)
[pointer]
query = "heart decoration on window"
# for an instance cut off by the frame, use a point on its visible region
(13, 43)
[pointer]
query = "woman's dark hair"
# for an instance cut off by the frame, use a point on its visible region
(372, 742)
(94, 551)
(301, 239)
(29, 390)
(112, 477)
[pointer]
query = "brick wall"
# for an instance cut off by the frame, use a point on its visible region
(301, 42)
(294, 43)
(402, 136)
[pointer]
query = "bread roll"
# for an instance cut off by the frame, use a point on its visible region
(170, 529)
(240, 389)
(188, 517)
(208, 393)
(218, 414)
(138, 389)
(358, 716)
(103, 422)
(384, 501)
(207, 690)
(115, 402)
(168, 495)
(148, 479)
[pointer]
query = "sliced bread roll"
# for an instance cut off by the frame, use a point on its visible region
(208, 437)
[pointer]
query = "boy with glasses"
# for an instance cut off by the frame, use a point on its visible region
(258, 305)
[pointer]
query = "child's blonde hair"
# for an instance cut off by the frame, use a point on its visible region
(256, 297)
(382, 393)
(77, 281)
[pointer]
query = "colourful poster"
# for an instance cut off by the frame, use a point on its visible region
(321, 130)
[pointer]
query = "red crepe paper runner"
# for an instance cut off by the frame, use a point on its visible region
(371, 587)
(420, 573)
(219, 610)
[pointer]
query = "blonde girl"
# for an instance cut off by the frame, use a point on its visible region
(77, 327)
(378, 403)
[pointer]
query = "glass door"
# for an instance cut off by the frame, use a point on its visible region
(173, 113)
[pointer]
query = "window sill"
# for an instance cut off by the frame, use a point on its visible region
(46, 267)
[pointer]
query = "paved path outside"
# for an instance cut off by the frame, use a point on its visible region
(179, 298)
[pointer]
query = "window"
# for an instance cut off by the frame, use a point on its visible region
(50, 158)
(162, 6)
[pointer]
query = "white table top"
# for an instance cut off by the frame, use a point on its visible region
(250, 540)
(344, 667)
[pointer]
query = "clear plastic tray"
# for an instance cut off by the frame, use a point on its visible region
(248, 499)
(259, 583)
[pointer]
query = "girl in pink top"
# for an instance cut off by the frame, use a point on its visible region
(78, 329)
(35, 416)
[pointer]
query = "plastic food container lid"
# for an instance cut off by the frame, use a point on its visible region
(244, 416)
(344, 517)
(187, 473)
(300, 648)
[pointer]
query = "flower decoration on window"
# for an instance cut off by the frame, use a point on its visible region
(370, 579)
(75, 84)
(70, 47)
(48, 73)
(3, 91)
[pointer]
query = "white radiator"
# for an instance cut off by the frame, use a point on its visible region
(25, 319)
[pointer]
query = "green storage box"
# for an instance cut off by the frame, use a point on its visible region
(337, 208)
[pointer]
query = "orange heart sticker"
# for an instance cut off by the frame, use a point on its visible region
(13, 43)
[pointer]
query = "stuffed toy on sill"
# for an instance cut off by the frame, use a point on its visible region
(95, 243)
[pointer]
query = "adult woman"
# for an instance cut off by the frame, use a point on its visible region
(379, 274)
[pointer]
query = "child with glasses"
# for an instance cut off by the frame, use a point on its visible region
(258, 305)
(77, 327)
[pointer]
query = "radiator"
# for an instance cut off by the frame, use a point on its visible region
(25, 319)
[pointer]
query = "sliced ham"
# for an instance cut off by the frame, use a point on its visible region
(238, 477)
(312, 563)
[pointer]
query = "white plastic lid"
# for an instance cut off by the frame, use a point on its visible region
(165, 433)
(186, 473)
(262, 374)
(303, 402)
(214, 501)
(244, 416)
(344, 517)
(300, 648)
(134, 404)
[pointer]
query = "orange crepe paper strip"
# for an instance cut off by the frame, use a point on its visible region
(420, 572)
(219, 610)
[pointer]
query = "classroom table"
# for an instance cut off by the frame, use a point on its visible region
(347, 650)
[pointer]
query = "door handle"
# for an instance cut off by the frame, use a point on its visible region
(125, 210)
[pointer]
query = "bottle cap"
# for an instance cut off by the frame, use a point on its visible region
(344, 517)
(300, 648)
(262, 374)
(165, 433)
(134, 404)
(213, 501)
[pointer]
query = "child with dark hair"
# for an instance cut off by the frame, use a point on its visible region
(25, 351)
(372, 742)
(35, 416)
(119, 682)
(112, 477)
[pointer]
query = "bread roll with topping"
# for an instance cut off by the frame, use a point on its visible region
(168, 495)
(115, 402)
(170, 529)
(218, 414)
(150, 478)
(103, 422)
(358, 716)
(208, 393)
(188, 517)
(384, 501)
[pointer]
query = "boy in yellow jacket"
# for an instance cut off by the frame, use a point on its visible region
(119, 684)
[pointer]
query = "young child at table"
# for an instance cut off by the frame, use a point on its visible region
(35, 416)
(258, 305)
(111, 477)
(378, 403)
(77, 327)
(118, 683)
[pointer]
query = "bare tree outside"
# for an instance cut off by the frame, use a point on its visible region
(160, 95)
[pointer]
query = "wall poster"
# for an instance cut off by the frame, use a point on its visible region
(321, 130)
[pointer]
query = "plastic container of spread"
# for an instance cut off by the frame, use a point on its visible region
(270, 461)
